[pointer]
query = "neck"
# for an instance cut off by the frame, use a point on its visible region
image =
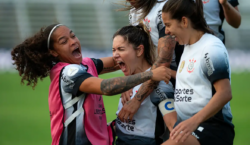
(195, 36)
(143, 65)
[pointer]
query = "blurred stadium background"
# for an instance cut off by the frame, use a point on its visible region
(24, 114)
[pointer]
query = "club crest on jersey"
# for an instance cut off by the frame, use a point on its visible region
(182, 65)
(146, 22)
(190, 67)
(205, 1)
(72, 71)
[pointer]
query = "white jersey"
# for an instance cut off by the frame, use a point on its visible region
(153, 21)
(213, 14)
(201, 65)
(144, 121)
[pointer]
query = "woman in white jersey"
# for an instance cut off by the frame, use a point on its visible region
(134, 52)
(77, 112)
(203, 89)
(149, 12)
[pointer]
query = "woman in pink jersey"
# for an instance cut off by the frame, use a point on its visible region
(76, 106)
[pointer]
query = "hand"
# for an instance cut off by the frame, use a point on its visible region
(222, 2)
(128, 110)
(161, 73)
(181, 132)
(126, 96)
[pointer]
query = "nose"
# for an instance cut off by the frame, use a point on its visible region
(115, 54)
(167, 32)
(73, 40)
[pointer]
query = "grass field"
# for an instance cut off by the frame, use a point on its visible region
(24, 114)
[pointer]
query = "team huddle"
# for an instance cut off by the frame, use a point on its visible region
(176, 87)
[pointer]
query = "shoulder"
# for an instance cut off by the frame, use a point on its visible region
(212, 42)
(73, 69)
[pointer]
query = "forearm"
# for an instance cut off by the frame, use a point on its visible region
(166, 47)
(214, 105)
(232, 15)
(121, 84)
(109, 65)
(170, 120)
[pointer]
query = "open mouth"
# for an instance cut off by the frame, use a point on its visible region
(77, 53)
(121, 65)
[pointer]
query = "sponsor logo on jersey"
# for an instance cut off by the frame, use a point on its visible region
(190, 67)
(129, 126)
(205, 1)
(146, 22)
(183, 95)
(182, 65)
(70, 83)
(72, 71)
(160, 94)
(166, 106)
(209, 65)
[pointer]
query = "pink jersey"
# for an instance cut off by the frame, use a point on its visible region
(89, 126)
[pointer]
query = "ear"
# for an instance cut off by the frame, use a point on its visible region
(140, 50)
(54, 53)
(184, 22)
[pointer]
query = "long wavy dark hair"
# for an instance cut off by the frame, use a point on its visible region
(32, 57)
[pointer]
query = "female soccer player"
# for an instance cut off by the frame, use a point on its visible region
(76, 107)
(134, 52)
(203, 89)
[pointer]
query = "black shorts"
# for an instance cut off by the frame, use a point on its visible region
(214, 133)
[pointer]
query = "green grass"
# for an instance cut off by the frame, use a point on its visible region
(24, 113)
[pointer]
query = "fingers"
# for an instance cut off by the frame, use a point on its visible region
(121, 115)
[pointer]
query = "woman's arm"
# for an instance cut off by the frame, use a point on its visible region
(121, 84)
(167, 109)
(231, 13)
(109, 65)
(222, 96)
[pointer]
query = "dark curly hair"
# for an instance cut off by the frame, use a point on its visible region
(32, 57)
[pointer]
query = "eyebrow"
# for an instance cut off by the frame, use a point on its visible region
(119, 47)
(64, 36)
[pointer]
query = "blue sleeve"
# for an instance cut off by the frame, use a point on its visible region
(234, 3)
(215, 63)
(72, 77)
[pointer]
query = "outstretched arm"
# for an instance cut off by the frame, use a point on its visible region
(121, 84)
(231, 13)
(166, 45)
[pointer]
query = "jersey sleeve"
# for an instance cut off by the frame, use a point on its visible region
(98, 64)
(160, 24)
(162, 92)
(234, 3)
(215, 62)
(72, 77)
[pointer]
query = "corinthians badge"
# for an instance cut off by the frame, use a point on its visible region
(182, 65)
(190, 67)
